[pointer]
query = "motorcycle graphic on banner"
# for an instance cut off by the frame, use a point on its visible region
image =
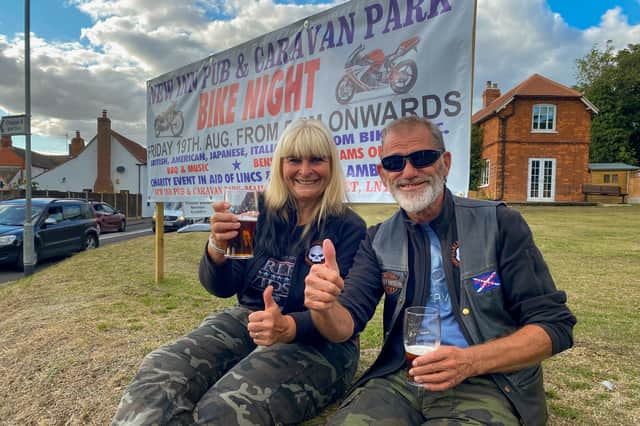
(375, 70)
(171, 119)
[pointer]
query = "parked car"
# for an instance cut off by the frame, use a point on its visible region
(60, 227)
(108, 219)
(174, 217)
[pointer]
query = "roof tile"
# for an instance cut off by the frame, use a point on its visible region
(534, 86)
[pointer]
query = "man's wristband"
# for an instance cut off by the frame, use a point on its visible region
(213, 245)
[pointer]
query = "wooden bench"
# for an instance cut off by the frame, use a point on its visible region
(608, 190)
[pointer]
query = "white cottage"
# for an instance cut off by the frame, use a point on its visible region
(110, 162)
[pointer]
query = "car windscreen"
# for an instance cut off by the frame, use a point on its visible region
(173, 206)
(13, 214)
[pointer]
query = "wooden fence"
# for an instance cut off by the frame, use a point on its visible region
(130, 204)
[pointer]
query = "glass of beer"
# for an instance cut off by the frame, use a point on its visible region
(244, 204)
(421, 334)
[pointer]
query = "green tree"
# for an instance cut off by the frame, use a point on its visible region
(611, 81)
(475, 162)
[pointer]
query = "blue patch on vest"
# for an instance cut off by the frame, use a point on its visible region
(486, 281)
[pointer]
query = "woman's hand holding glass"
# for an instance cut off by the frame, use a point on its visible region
(224, 227)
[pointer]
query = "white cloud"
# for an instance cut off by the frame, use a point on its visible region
(517, 39)
(131, 41)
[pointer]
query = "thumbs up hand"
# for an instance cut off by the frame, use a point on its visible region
(323, 284)
(270, 326)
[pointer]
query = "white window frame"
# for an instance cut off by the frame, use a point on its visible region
(540, 180)
(548, 108)
(485, 172)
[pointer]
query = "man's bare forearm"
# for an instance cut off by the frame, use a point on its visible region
(335, 323)
(526, 347)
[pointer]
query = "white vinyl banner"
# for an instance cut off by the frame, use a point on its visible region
(215, 123)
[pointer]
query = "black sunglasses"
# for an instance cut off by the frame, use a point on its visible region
(418, 159)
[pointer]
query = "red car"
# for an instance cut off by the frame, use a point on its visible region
(108, 218)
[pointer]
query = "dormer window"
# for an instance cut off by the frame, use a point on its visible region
(544, 118)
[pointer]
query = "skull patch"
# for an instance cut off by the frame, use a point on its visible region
(315, 254)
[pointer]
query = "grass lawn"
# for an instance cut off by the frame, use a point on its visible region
(72, 336)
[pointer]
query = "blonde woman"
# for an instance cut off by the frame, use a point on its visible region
(262, 362)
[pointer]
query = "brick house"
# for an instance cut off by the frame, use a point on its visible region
(535, 142)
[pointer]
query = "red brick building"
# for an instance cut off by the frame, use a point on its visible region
(535, 142)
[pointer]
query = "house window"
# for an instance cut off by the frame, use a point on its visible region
(544, 118)
(484, 173)
(614, 178)
(607, 178)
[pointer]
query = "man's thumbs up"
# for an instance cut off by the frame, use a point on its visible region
(323, 284)
(267, 297)
(329, 252)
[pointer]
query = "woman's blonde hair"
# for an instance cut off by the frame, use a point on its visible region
(306, 138)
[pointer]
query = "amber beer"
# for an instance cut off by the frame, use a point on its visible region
(412, 352)
(421, 334)
(241, 247)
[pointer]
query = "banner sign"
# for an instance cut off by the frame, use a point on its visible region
(215, 123)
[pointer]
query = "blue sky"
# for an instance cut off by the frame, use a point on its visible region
(59, 20)
(78, 46)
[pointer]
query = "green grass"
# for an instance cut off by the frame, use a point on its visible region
(73, 335)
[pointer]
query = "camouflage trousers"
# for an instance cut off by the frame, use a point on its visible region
(216, 375)
(391, 401)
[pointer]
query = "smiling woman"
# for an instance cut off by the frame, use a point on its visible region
(267, 341)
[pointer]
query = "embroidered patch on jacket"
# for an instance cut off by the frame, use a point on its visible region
(455, 254)
(391, 282)
(314, 254)
(486, 281)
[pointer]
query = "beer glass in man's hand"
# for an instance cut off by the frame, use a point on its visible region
(421, 334)
(244, 204)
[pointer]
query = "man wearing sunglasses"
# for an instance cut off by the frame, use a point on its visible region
(476, 262)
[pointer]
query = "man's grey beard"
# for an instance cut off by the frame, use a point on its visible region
(416, 202)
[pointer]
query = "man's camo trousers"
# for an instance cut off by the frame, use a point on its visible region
(392, 401)
(217, 375)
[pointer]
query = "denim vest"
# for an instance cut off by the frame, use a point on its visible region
(482, 313)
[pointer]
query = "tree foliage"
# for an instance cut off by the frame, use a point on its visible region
(611, 81)
(476, 156)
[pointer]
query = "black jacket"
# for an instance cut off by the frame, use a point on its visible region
(235, 276)
(528, 290)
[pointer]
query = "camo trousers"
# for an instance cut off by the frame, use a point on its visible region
(390, 400)
(216, 375)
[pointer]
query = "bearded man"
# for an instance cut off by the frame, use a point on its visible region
(476, 262)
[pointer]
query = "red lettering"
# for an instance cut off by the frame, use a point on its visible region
(262, 162)
(263, 95)
(211, 107)
(351, 154)
(233, 91)
(293, 88)
(202, 111)
(310, 69)
(218, 117)
(274, 100)
(203, 167)
(251, 99)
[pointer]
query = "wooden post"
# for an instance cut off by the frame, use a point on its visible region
(159, 242)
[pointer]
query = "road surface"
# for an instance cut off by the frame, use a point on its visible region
(8, 273)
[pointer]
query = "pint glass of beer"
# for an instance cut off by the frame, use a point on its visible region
(421, 334)
(244, 204)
